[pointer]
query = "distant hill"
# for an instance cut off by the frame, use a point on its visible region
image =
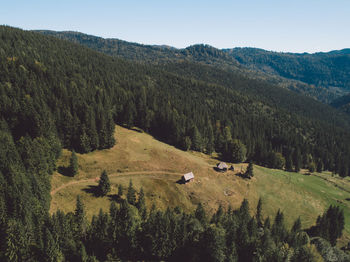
(198, 54)
(329, 70)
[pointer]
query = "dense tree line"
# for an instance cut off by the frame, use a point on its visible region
(129, 232)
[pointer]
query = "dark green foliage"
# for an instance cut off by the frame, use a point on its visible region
(259, 218)
(186, 143)
(73, 164)
(329, 252)
(330, 225)
(289, 163)
(120, 190)
(250, 172)
(131, 194)
(141, 204)
(104, 186)
(54, 93)
(320, 69)
(297, 160)
(276, 160)
(213, 242)
(79, 219)
(235, 151)
(319, 167)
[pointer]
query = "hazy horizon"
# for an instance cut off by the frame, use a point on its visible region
(297, 27)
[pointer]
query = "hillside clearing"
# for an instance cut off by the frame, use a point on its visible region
(157, 167)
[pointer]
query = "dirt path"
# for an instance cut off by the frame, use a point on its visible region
(121, 174)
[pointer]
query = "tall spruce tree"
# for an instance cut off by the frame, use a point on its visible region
(250, 172)
(259, 218)
(73, 164)
(104, 185)
(131, 194)
(141, 204)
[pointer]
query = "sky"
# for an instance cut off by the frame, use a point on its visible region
(278, 25)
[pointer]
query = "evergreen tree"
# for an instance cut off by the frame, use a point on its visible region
(141, 204)
(73, 164)
(289, 163)
(51, 248)
(16, 243)
(278, 229)
(120, 190)
(79, 218)
(213, 244)
(197, 142)
(104, 186)
(131, 194)
(343, 169)
(236, 151)
(249, 173)
(186, 144)
(319, 167)
(297, 160)
(258, 216)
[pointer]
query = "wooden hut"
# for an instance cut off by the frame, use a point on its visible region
(187, 177)
(222, 166)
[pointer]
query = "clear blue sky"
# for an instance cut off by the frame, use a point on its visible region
(279, 25)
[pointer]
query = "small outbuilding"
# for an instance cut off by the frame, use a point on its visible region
(187, 177)
(232, 168)
(222, 166)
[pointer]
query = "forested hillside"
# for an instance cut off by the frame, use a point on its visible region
(342, 103)
(330, 70)
(198, 54)
(56, 94)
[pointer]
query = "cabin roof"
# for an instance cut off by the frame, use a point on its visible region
(222, 165)
(188, 176)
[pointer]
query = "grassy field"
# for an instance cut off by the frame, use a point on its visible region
(157, 167)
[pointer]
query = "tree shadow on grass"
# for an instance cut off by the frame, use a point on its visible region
(92, 190)
(180, 182)
(115, 198)
(64, 171)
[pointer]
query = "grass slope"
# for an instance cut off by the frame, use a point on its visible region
(157, 167)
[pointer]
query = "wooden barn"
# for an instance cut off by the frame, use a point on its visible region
(187, 177)
(222, 166)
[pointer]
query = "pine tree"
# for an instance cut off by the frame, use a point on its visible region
(51, 248)
(319, 167)
(297, 160)
(79, 218)
(141, 204)
(249, 173)
(120, 190)
(104, 186)
(197, 143)
(259, 213)
(131, 194)
(289, 163)
(73, 164)
(213, 244)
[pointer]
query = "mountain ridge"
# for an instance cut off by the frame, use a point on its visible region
(199, 53)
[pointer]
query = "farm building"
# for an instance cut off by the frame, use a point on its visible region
(187, 177)
(222, 166)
